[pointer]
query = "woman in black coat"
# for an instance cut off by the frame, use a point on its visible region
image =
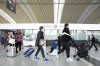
(40, 36)
(66, 38)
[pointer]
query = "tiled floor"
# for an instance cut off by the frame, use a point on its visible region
(20, 60)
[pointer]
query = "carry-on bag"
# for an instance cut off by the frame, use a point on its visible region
(11, 50)
(29, 52)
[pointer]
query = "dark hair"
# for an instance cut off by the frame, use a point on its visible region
(66, 25)
(11, 36)
(92, 35)
(18, 31)
(66, 29)
(41, 27)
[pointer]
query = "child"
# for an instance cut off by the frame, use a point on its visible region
(53, 46)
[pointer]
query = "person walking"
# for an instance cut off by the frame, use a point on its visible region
(18, 41)
(7, 39)
(66, 38)
(93, 43)
(40, 35)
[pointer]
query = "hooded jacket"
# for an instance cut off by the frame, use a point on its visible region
(66, 35)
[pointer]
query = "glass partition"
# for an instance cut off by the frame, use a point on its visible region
(52, 34)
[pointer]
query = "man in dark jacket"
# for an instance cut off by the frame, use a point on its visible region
(40, 35)
(93, 43)
(66, 38)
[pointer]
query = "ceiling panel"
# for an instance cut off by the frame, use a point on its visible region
(48, 13)
(66, 13)
(68, 9)
(93, 16)
(32, 1)
(71, 1)
(19, 17)
(3, 20)
(1, 0)
(47, 16)
(97, 20)
(27, 1)
(86, 1)
(46, 1)
(38, 13)
(77, 13)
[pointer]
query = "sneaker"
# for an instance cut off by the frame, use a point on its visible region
(57, 56)
(69, 59)
(16, 52)
(96, 50)
(36, 58)
(45, 60)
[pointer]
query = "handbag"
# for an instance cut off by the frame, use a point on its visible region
(42, 42)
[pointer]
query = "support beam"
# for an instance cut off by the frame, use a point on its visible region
(27, 9)
(7, 17)
(88, 11)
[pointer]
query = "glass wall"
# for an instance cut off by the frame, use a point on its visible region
(52, 34)
(32, 34)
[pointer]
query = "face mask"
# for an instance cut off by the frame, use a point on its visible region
(67, 27)
(42, 30)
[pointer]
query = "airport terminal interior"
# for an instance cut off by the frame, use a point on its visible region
(24, 22)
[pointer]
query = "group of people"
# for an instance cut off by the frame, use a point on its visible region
(63, 42)
(63, 39)
(16, 36)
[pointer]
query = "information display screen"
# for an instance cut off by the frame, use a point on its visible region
(11, 5)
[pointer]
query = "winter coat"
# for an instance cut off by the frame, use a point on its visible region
(39, 36)
(54, 45)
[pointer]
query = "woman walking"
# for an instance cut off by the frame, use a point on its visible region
(40, 36)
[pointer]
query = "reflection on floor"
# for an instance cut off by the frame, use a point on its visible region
(95, 57)
(20, 60)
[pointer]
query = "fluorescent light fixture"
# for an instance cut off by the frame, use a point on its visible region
(55, 10)
(61, 6)
(58, 9)
(7, 17)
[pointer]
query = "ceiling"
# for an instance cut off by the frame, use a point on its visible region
(42, 11)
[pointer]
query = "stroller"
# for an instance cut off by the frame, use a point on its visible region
(82, 51)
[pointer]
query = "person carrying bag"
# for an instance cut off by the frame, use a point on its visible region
(40, 42)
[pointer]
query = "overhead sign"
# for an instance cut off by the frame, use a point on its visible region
(11, 5)
(51, 26)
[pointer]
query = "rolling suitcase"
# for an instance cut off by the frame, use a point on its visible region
(11, 51)
(29, 52)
